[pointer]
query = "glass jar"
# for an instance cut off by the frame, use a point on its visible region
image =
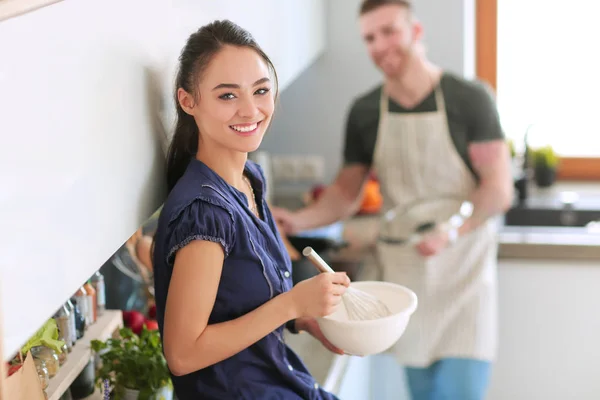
(62, 318)
(72, 324)
(49, 356)
(42, 371)
(62, 357)
(79, 319)
(98, 283)
(92, 302)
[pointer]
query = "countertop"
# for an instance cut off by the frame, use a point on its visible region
(553, 242)
(513, 241)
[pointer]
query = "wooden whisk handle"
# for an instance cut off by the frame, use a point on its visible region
(316, 259)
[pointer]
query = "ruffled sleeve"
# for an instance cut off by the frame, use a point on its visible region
(201, 220)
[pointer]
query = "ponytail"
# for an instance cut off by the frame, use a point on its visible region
(183, 148)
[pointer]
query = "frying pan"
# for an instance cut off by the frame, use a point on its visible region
(320, 245)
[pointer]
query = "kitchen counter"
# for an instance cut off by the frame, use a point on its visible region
(549, 243)
(514, 241)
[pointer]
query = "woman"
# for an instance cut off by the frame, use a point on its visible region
(222, 276)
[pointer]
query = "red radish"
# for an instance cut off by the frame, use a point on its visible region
(135, 321)
(126, 317)
(151, 325)
(152, 311)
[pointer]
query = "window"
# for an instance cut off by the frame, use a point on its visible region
(542, 63)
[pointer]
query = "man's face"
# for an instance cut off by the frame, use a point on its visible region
(390, 34)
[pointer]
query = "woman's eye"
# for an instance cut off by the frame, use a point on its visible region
(263, 91)
(227, 96)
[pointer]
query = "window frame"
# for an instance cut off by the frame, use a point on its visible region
(486, 56)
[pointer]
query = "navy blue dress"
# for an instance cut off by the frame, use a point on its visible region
(202, 206)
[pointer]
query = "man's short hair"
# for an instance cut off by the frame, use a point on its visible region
(370, 5)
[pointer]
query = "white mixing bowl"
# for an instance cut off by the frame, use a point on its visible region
(367, 337)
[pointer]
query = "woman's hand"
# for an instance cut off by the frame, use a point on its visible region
(319, 295)
(311, 326)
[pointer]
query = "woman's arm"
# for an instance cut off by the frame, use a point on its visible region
(191, 344)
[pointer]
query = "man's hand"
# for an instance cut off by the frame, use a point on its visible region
(311, 326)
(286, 220)
(433, 243)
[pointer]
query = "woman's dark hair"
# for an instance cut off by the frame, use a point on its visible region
(198, 52)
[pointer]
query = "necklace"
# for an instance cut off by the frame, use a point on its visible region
(252, 205)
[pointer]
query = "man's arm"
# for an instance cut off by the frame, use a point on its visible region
(340, 200)
(489, 155)
(494, 194)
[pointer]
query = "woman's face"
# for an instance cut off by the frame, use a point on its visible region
(234, 101)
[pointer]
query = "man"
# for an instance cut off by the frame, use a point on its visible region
(428, 134)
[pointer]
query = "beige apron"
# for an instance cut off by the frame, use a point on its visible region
(415, 158)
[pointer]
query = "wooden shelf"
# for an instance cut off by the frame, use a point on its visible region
(77, 359)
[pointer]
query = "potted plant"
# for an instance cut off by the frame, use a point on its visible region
(133, 367)
(545, 163)
(511, 147)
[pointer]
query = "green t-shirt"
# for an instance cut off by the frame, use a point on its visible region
(470, 109)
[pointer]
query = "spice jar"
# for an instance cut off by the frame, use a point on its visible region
(79, 319)
(62, 357)
(98, 283)
(49, 356)
(72, 322)
(92, 302)
(84, 302)
(42, 371)
(62, 318)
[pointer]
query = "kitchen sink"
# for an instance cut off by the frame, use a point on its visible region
(555, 212)
(523, 216)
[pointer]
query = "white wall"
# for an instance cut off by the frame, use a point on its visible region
(549, 331)
(312, 112)
(81, 165)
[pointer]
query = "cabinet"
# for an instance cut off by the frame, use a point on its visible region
(548, 328)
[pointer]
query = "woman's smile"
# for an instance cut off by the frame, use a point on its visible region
(247, 129)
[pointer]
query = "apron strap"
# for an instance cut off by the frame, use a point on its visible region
(440, 104)
(383, 103)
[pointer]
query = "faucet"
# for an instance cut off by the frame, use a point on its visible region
(526, 154)
(521, 182)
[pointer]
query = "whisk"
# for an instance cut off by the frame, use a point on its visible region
(359, 305)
